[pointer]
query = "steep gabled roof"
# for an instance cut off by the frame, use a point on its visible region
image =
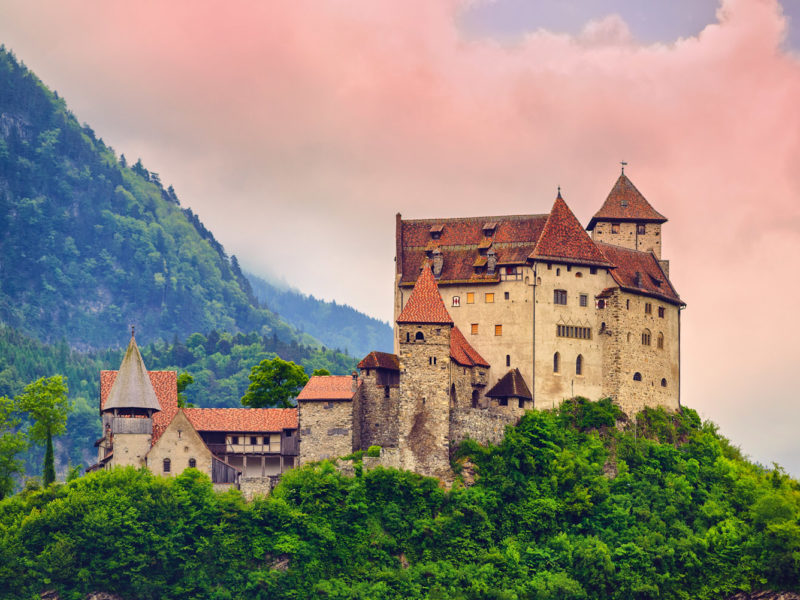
(462, 352)
(425, 305)
(328, 387)
(511, 385)
(564, 239)
(640, 272)
(380, 360)
(247, 420)
(165, 385)
(132, 387)
(626, 203)
(461, 240)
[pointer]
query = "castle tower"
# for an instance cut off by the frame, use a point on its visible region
(423, 331)
(128, 412)
(626, 219)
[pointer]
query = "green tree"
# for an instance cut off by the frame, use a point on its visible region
(320, 372)
(45, 400)
(11, 443)
(274, 382)
(184, 381)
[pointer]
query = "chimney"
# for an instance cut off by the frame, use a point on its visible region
(637, 280)
(491, 261)
(438, 262)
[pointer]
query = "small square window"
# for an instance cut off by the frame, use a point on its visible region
(474, 329)
(456, 300)
(470, 297)
(505, 295)
(648, 308)
(584, 300)
(254, 440)
(593, 270)
(640, 229)
(489, 298)
(559, 296)
(661, 311)
(498, 330)
(615, 228)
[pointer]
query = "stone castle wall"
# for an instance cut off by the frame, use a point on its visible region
(485, 426)
(628, 236)
(378, 414)
(130, 449)
(325, 429)
(625, 355)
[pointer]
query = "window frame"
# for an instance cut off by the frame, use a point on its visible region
(560, 297)
(470, 297)
(498, 330)
(488, 297)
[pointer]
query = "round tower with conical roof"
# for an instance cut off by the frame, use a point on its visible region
(128, 411)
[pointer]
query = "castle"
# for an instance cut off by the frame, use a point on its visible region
(494, 316)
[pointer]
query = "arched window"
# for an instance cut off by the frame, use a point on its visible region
(408, 337)
(660, 341)
(192, 463)
(508, 360)
(637, 376)
(663, 383)
(419, 337)
(556, 362)
(167, 465)
(646, 337)
(629, 336)
(627, 304)
(579, 365)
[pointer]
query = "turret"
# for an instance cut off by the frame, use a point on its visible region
(128, 412)
(627, 219)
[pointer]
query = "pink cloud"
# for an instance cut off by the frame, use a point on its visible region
(297, 130)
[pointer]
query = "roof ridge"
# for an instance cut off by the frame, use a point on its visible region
(476, 218)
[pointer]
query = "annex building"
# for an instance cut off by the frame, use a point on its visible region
(493, 316)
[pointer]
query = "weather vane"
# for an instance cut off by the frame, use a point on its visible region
(624, 164)
(133, 327)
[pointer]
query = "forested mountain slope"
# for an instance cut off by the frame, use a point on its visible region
(89, 245)
(335, 325)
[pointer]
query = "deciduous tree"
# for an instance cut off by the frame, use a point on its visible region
(45, 400)
(274, 382)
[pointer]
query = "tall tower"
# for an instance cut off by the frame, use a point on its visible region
(128, 412)
(423, 330)
(626, 219)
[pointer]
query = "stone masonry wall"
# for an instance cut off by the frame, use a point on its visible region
(255, 486)
(180, 442)
(423, 408)
(485, 426)
(325, 429)
(130, 449)
(378, 413)
(625, 354)
(628, 236)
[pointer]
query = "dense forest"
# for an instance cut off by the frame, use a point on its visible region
(568, 506)
(90, 244)
(218, 362)
(335, 325)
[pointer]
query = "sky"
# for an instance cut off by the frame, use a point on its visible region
(297, 130)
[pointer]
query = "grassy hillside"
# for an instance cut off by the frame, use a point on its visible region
(567, 507)
(335, 325)
(89, 245)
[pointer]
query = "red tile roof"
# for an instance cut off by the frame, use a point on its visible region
(425, 305)
(380, 360)
(328, 387)
(564, 239)
(462, 352)
(460, 243)
(651, 279)
(512, 384)
(165, 385)
(244, 420)
(626, 203)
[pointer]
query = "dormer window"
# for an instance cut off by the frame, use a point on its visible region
(489, 228)
(436, 231)
(623, 203)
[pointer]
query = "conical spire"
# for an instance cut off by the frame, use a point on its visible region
(626, 203)
(132, 387)
(563, 238)
(425, 304)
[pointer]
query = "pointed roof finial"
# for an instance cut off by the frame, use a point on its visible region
(559, 192)
(133, 330)
(624, 164)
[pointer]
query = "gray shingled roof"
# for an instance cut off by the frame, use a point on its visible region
(132, 387)
(512, 384)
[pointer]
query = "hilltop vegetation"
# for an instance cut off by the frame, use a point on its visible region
(566, 507)
(89, 244)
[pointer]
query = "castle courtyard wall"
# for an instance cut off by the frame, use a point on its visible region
(325, 429)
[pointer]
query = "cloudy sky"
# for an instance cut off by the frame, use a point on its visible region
(296, 130)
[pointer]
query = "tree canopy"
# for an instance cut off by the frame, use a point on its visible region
(45, 401)
(274, 382)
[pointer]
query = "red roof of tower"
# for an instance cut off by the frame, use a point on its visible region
(328, 387)
(380, 360)
(165, 385)
(563, 238)
(626, 203)
(425, 304)
(462, 352)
